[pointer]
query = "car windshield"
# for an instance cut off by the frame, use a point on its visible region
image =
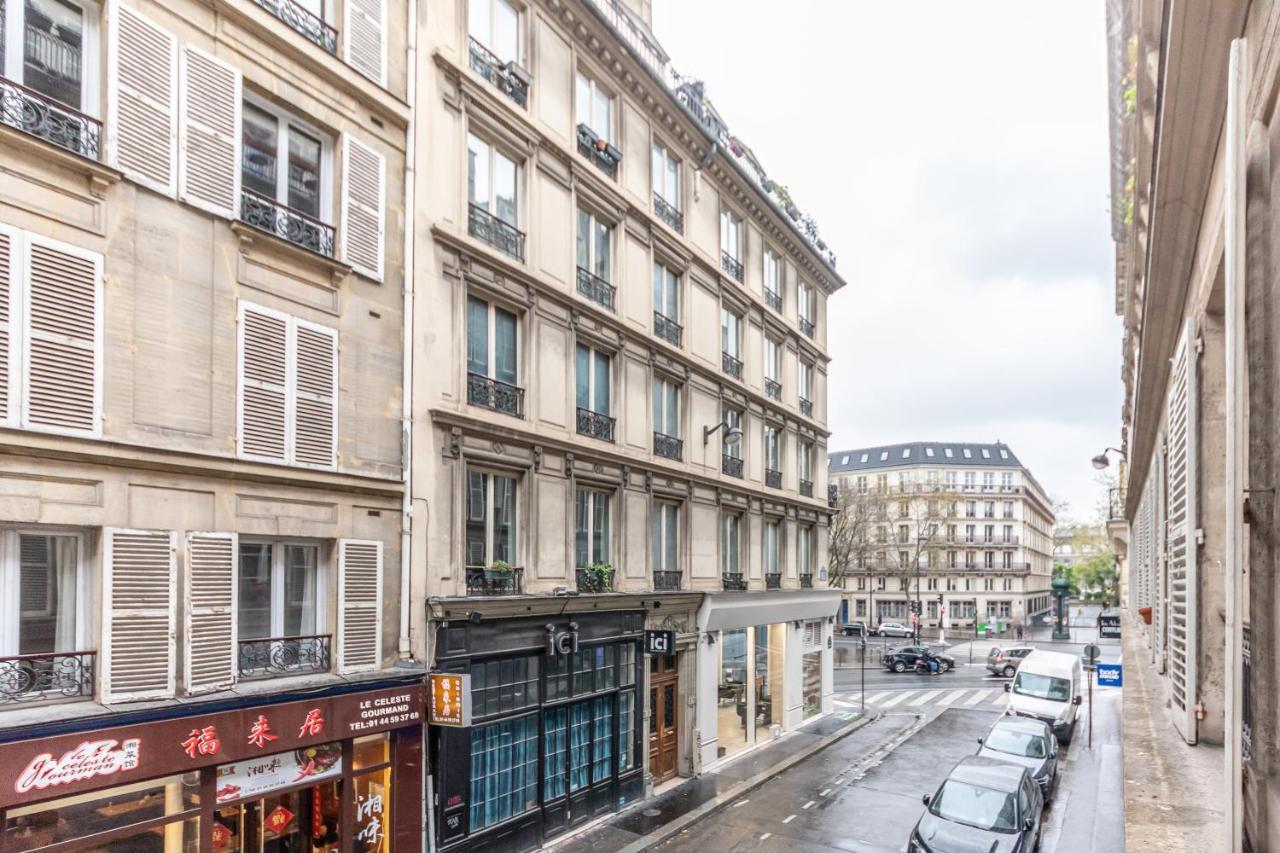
(1042, 686)
(1016, 743)
(994, 653)
(974, 805)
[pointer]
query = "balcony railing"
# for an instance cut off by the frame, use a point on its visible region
(773, 299)
(665, 580)
(311, 27)
(806, 581)
(595, 424)
(31, 112)
(510, 78)
(598, 151)
(271, 657)
(731, 465)
(773, 478)
(503, 236)
(46, 677)
(731, 265)
(267, 214)
(734, 581)
(593, 581)
(833, 495)
(595, 288)
(731, 365)
(807, 327)
(666, 328)
(773, 388)
(806, 488)
(495, 394)
(482, 580)
(667, 212)
(668, 446)
(772, 580)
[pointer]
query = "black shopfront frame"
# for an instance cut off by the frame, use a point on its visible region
(461, 646)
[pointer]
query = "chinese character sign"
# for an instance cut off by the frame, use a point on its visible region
(373, 812)
(450, 699)
(202, 742)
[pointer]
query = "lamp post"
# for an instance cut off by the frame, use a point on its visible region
(1101, 461)
(920, 540)
(1061, 588)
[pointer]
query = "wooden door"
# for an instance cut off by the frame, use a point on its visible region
(664, 718)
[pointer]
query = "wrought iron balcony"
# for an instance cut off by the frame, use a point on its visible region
(773, 478)
(272, 657)
(773, 299)
(311, 27)
(495, 394)
(46, 677)
(806, 326)
(31, 112)
(734, 581)
(731, 365)
(806, 581)
(668, 446)
(503, 236)
(731, 265)
(772, 580)
(833, 495)
(484, 580)
(773, 388)
(731, 465)
(595, 424)
(267, 214)
(666, 328)
(598, 150)
(665, 580)
(595, 288)
(806, 488)
(667, 212)
(806, 407)
(592, 581)
(512, 80)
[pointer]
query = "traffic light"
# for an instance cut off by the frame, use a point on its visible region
(915, 607)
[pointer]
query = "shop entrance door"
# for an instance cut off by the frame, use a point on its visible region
(579, 762)
(664, 717)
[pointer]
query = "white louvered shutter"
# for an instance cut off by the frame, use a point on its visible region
(209, 123)
(9, 254)
(264, 345)
(359, 604)
(315, 412)
(63, 326)
(366, 33)
(210, 613)
(1181, 535)
(142, 109)
(140, 588)
(363, 197)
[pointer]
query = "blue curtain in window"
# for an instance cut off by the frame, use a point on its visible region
(579, 745)
(554, 751)
(626, 722)
(602, 731)
(504, 763)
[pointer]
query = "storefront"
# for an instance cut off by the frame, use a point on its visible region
(332, 773)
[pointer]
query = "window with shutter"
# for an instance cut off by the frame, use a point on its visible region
(139, 587)
(7, 286)
(315, 392)
(142, 84)
(359, 604)
(367, 38)
(210, 613)
(1180, 539)
(363, 175)
(209, 122)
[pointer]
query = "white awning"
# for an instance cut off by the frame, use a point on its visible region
(726, 610)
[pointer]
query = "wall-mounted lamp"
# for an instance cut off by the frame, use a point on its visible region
(732, 435)
(1101, 461)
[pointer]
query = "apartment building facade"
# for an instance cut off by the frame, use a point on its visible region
(965, 529)
(617, 411)
(201, 275)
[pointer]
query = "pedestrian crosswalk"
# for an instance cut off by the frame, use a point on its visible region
(978, 697)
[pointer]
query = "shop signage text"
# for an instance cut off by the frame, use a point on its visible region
(450, 702)
(562, 642)
(660, 643)
(257, 776)
(89, 759)
(1109, 626)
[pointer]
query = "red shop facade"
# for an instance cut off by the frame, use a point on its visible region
(320, 775)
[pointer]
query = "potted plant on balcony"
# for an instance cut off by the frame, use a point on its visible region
(596, 577)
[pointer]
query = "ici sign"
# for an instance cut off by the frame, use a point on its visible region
(562, 642)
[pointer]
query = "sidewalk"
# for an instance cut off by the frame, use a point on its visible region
(650, 822)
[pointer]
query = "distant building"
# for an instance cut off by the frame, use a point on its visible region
(1076, 543)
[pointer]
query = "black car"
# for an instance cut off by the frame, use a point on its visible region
(1028, 743)
(982, 805)
(854, 629)
(904, 658)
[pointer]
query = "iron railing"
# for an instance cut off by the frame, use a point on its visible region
(667, 212)
(772, 580)
(773, 388)
(495, 394)
(731, 365)
(806, 488)
(267, 214)
(46, 677)
(806, 581)
(731, 265)
(31, 112)
(595, 288)
(666, 580)
(312, 28)
(734, 581)
(807, 327)
(833, 495)
(270, 657)
(487, 228)
(773, 478)
(666, 328)
(773, 299)
(593, 582)
(482, 580)
(512, 80)
(668, 446)
(595, 424)
(806, 407)
(731, 465)
(596, 149)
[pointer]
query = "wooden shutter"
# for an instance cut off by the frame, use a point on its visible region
(363, 195)
(63, 386)
(142, 114)
(9, 253)
(209, 122)
(264, 344)
(139, 582)
(367, 39)
(1181, 535)
(315, 419)
(210, 612)
(359, 605)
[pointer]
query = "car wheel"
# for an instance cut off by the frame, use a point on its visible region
(899, 666)
(1009, 671)
(943, 666)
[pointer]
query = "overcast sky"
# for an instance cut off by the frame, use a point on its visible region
(955, 158)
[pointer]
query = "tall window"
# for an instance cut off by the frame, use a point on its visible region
(43, 46)
(666, 536)
(491, 518)
(591, 533)
(806, 384)
(804, 549)
(730, 543)
(594, 241)
(496, 25)
(666, 176)
(733, 418)
(988, 479)
(806, 461)
(281, 590)
(772, 273)
(666, 292)
(593, 369)
(492, 179)
(772, 448)
(282, 159)
(491, 341)
(988, 509)
(808, 303)
(666, 407)
(970, 509)
(951, 479)
(1006, 479)
(772, 359)
(1008, 509)
(593, 106)
(730, 333)
(730, 235)
(41, 605)
(771, 548)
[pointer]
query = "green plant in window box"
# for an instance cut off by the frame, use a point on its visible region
(597, 577)
(498, 569)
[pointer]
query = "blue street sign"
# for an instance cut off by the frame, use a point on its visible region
(1110, 675)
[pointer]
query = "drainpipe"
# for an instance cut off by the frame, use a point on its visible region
(406, 367)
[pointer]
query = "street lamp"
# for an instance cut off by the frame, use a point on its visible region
(1101, 461)
(732, 435)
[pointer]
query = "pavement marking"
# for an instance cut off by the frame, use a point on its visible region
(924, 698)
(808, 804)
(978, 696)
(788, 818)
(1000, 698)
(765, 836)
(889, 703)
(824, 792)
(740, 803)
(839, 780)
(844, 704)
(951, 697)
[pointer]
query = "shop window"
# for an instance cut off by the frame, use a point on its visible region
(372, 813)
(555, 746)
(504, 686)
(602, 738)
(557, 678)
(504, 770)
(595, 669)
(626, 725)
(370, 751)
(579, 746)
(627, 664)
(812, 684)
(731, 717)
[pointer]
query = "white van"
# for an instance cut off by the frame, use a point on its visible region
(1047, 687)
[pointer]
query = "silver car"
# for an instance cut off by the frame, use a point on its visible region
(894, 629)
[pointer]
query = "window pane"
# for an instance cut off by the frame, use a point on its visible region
(258, 157)
(477, 336)
(584, 240)
(601, 250)
(582, 101)
(657, 405)
(477, 170)
(601, 120)
(656, 169)
(47, 596)
(583, 371)
(504, 189)
(626, 733)
(53, 41)
(579, 745)
(477, 503)
(601, 400)
(627, 664)
(504, 346)
(300, 591)
(504, 518)
(253, 613)
(580, 530)
(479, 22)
(554, 745)
(304, 172)
(506, 32)
(603, 738)
(656, 547)
(672, 515)
(600, 528)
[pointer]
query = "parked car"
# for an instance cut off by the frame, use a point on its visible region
(854, 629)
(1028, 743)
(983, 804)
(1005, 661)
(903, 658)
(1047, 687)
(894, 629)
